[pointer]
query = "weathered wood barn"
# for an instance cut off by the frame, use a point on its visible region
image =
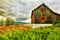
(44, 15)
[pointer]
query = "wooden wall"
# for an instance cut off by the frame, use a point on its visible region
(50, 16)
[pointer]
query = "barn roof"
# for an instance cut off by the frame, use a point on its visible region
(47, 7)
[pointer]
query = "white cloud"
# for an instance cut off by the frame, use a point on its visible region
(48, 1)
(28, 20)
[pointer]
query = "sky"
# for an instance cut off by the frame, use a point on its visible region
(23, 8)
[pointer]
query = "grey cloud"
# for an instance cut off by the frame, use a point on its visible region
(23, 8)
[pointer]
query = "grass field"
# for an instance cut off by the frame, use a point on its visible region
(25, 32)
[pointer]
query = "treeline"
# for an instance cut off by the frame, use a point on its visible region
(7, 22)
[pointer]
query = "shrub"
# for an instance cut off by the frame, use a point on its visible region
(9, 21)
(56, 25)
(1, 22)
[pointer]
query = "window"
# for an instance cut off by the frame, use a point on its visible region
(43, 9)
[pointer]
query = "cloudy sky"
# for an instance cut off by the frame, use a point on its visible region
(23, 8)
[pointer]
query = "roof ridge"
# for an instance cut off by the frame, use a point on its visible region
(47, 7)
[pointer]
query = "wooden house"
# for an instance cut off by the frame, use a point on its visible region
(44, 15)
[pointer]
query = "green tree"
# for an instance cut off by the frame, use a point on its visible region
(9, 21)
(12, 22)
(1, 22)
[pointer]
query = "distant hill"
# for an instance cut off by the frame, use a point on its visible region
(20, 22)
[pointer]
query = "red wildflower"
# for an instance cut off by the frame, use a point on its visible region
(1, 31)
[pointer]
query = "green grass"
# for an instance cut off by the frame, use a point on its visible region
(33, 34)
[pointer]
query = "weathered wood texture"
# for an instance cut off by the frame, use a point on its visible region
(43, 15)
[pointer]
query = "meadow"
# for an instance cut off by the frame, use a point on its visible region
(23, 32)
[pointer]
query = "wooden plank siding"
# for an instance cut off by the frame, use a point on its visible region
(51, 17)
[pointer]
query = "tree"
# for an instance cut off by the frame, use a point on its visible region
(12, 22)
(1, 22)
(9, 21)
